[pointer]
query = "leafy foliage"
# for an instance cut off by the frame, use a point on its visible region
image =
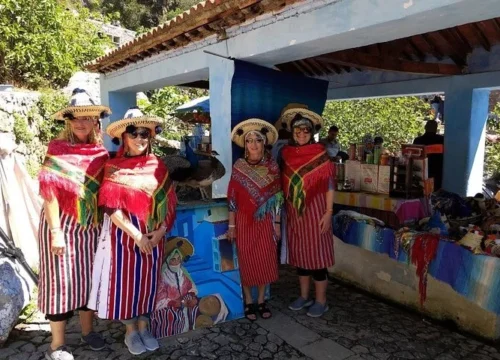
(141, 15)
(43, 44)
(163, 102)
(397, 120)
(50, 101)
(492, 150)
(21, 130)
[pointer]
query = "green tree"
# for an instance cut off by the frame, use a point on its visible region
(397, 120)
(492, 150)
(163, 102)
(43, 44)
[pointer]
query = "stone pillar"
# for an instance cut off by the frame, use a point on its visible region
(119, 102)
(221, 74)
(466, 112)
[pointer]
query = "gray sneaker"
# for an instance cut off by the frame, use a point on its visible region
(148, 340)
(95, 341)
(300, 303)
(134, 343)
(317, 310)
(61, 353)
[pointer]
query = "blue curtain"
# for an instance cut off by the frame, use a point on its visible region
(262, 93)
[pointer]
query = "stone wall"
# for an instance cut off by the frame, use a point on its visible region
(15, 107)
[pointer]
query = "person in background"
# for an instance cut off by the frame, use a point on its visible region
(307, 177)
(69, 225)
(255, 199)
(139, 203)
(431, 137)
(332, 145)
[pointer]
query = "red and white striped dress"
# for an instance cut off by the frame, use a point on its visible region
(125, 280)
(257, 250)
(65, 281)
(307, 247)
(252, 190)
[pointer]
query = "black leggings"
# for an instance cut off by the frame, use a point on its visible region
(317, 275)
(64, 317)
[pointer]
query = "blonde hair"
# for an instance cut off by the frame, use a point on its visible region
(67, 135)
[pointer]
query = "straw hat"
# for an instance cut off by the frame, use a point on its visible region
(182, 244)
(210, 305)
(135, 117)
(203, 321)
(290, 114)
(81, 104)
(239, 132)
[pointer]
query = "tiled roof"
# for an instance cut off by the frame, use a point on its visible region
(202, 20)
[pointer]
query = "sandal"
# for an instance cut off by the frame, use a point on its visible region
(249, 311)
(263, 309)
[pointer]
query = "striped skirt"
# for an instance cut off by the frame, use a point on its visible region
(307, 247)
(171, 321)
(124, 280)
(65, 280)
(257, 250)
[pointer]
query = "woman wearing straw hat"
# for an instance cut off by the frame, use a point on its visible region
(139, 204)
(255, 199)
(308, 187)
(69, 180)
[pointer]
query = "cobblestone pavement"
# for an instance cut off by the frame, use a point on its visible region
(357, 327)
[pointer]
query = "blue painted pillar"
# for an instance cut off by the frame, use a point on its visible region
(466, 111)
(221, 75)
(119, 102)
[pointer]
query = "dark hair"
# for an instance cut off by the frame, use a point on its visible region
(333, 128)
(378, 140)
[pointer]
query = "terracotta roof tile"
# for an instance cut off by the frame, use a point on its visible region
(196, 17)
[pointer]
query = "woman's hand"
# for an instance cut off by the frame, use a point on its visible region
(191, 303)
(231, 233)
(156, 236)
(145, 245)
(326, 222)
(277, 231)
(57, 242)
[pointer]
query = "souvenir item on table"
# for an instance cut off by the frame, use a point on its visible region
(384, 174)
(472, 239)
(436, 224)
(353, 175)
(384, 159)
(376, 155)
(352, 152)
(369, 178)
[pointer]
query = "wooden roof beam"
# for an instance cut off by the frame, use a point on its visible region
(480, 36)
(309, 68)
(371, 62)
(302, 70)
(435, 51)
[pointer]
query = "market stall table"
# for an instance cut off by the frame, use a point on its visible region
(471, 300)
(392, 211)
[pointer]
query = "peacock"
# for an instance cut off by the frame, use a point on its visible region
(193, 172)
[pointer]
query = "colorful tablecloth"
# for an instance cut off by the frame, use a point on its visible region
(476, 277)
(405, 210)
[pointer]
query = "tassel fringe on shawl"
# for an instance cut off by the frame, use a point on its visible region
(72, 174)
(307, 173)
(142, 186)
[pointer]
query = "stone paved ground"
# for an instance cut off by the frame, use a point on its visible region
(356, 327)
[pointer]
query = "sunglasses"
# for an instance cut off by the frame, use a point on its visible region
(304, 130)
(143, 134)
(251, 141)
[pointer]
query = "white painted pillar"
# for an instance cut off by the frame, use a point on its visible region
(221, 75)
(119, 102)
